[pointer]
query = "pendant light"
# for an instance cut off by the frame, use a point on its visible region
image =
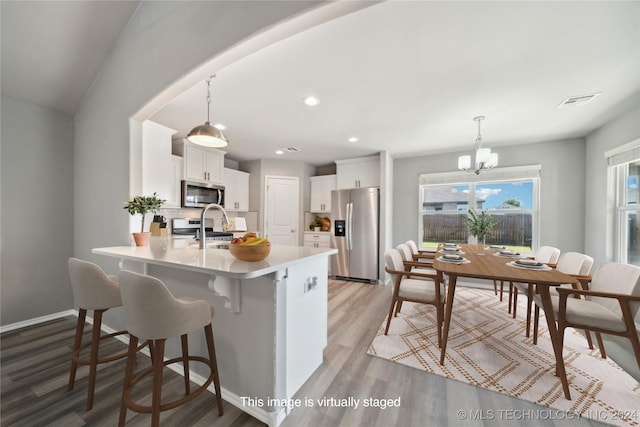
(485, 159)
(207, 135)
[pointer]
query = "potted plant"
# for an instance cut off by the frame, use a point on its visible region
(141, 205)
(315, 225)
(479, 225)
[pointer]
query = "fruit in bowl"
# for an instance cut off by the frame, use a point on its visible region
(250, 247)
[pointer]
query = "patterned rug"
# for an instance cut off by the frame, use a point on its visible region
(487, 348)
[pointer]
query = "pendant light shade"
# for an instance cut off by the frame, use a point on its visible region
(207, 135)
(485, 159)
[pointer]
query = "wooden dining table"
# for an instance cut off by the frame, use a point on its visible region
(485, 264)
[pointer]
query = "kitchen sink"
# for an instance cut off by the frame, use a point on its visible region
(215, 244)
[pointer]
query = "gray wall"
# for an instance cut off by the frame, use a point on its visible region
(599, 214)
(562, 189)
(37, 211)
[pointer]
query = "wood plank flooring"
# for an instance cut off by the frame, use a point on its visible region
(35, 370)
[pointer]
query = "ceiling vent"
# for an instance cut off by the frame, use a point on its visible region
(574, 101)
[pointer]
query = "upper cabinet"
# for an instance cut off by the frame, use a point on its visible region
(157, 163)
(360, 172)
(236, 190)
(200, 163)
(321, 187)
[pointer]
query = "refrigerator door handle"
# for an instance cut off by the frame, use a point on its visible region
(349, 226)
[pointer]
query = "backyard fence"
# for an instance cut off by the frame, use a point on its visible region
(511, 229)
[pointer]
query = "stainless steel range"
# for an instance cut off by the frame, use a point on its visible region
(191, 227)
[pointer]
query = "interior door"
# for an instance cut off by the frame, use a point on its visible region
(281, 207)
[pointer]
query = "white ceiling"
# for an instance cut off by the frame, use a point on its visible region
(405, 77)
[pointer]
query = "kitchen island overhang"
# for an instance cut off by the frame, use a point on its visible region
(270, 322)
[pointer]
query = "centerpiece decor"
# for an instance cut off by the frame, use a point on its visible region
(141, 205)
(479, 224)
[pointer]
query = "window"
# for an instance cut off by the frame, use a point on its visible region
(624, 175)
(628, 213)
(510, 195)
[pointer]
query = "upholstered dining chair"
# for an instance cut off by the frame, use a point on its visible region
(422, 255)
(415, 287)
(572, 263)
(546, 255)
(609, 305)
(152, 313)
(411, 264)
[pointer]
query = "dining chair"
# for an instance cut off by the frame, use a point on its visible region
(572, 263)
(423, 255)
(415, 287)
(545, 255)
(609, 305)
(411, 264)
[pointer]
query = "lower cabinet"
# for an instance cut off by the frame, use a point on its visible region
(314, 239)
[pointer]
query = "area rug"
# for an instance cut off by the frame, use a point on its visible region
(487, 348)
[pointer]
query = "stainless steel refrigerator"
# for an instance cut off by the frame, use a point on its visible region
(355, 224)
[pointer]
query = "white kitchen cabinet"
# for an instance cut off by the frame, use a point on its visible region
(236, 190)
(360, 172)
(313, 239)
(176, 187)
(321, 187)
(157, 164)
(203, 164)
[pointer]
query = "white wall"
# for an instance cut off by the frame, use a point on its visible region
(37, 211)
(598, 217)
(562, 189)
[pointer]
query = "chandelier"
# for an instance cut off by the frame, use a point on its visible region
(207, 135)
(485, 159)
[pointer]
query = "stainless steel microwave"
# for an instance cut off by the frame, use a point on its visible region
(200, 194)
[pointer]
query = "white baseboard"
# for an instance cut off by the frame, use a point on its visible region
(37, 320)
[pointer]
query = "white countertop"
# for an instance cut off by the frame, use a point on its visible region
(185, 254)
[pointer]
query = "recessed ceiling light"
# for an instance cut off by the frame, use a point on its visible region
(279, 152)
(311, 101)
(353, 139)
(219, 126)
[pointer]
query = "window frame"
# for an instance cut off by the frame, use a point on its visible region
(618, 160)
(498, 175)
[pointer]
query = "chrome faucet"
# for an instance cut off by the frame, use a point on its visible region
(203, 231)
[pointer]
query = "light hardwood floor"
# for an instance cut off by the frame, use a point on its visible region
(35, 368)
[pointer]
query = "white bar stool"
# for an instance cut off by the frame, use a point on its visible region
(92, 290)
(154, 314)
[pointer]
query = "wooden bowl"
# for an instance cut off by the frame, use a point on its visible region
(249, 252)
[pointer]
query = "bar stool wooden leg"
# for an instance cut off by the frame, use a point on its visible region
(185, 363)
(157, 381)
(208, 331)
(77, 343)
(128, 374)
(95, 347)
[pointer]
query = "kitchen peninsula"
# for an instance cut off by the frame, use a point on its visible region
(270, 322)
